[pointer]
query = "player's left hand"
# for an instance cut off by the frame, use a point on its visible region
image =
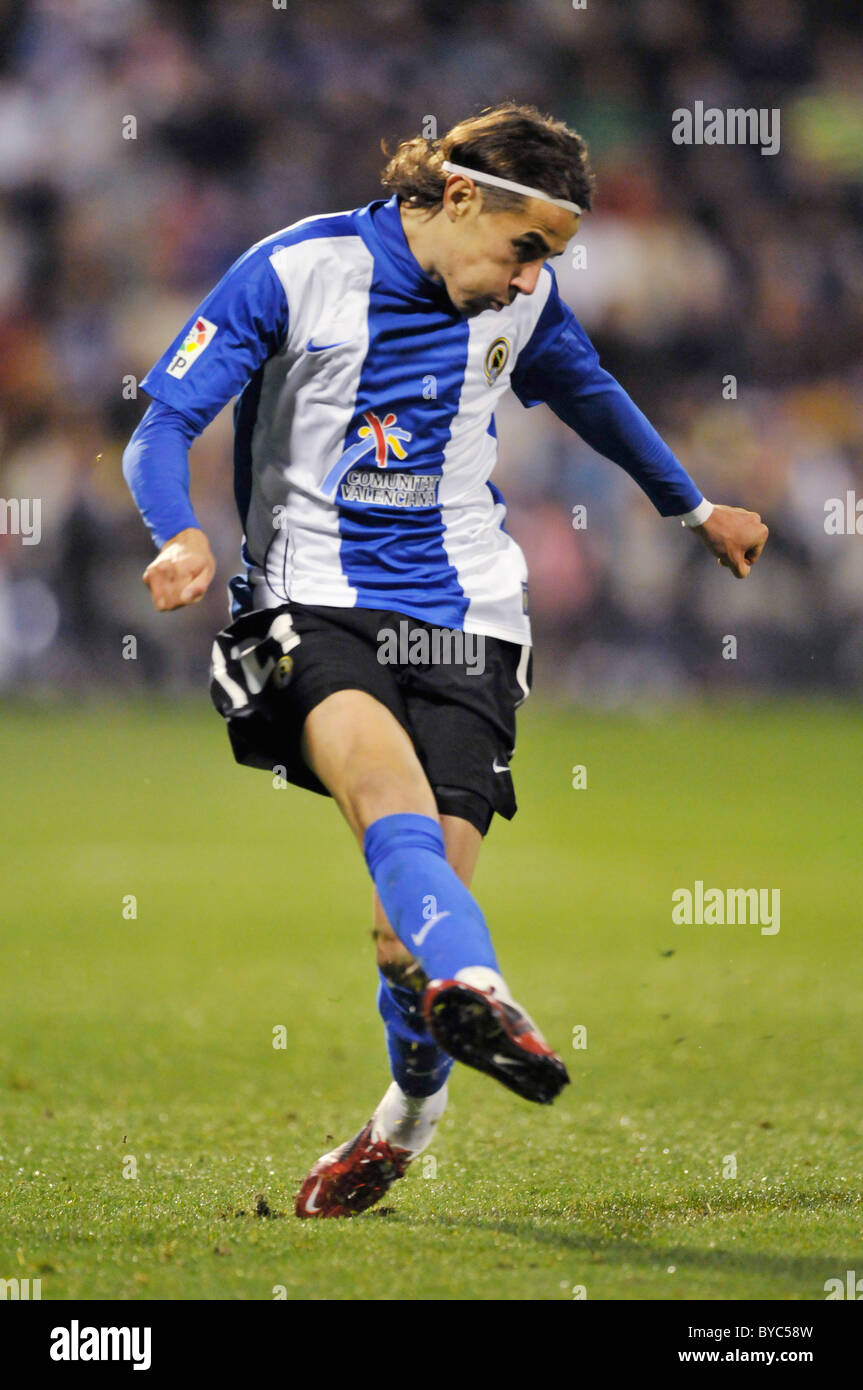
(735, 536)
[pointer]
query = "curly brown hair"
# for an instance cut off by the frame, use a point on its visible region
(512, 141)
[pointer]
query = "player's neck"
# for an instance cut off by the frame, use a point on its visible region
(421, 237)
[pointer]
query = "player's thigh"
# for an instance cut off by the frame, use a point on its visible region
(463, 843)
(365, 759)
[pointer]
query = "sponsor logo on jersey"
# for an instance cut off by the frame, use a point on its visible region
(381, 436)
(389, 489)
(496, 359)
(377, 436)
(199, 336)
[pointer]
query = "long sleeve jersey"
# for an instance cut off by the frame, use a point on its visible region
(365, 430)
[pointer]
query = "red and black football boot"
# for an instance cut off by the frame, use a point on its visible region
(353, 1177)
(494, 1036)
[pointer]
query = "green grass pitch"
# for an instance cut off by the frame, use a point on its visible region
(708, 1047)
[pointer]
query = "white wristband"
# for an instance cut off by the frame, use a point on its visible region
(699, 515)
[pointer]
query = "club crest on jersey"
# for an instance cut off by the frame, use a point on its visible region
(199, 336)
(378, 436)
(496, 359)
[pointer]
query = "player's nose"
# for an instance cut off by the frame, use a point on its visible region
(527, 278)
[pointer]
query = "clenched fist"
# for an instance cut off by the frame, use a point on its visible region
(182, 570)
(736, 537)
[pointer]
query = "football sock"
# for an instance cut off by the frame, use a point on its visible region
(407, 1121)
(418, 1065)
(428, 907)
(489, 980)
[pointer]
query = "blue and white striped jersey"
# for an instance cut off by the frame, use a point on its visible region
(365, 433)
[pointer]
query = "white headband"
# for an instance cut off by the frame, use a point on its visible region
(513, 187)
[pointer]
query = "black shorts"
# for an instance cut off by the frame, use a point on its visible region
(454, 693)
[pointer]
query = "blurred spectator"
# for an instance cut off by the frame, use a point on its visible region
(723, 287)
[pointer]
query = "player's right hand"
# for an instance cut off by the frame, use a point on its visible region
(735, 536)
(182, 571)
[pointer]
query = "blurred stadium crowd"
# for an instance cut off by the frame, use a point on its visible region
(702, 263)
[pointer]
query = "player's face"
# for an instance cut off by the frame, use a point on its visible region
(498, 255)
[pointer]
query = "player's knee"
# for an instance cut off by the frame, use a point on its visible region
(383, 791)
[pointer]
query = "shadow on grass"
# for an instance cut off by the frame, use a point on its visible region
(628, 1230)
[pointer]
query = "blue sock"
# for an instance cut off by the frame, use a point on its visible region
(428, 907)
(418, 1065)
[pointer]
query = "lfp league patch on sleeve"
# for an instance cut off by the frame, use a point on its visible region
(196, 340)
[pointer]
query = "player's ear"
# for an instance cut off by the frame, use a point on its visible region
(458, 195)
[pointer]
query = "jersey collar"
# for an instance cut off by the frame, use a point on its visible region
(380, 226)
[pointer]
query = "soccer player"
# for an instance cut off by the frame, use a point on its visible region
(380, 642)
